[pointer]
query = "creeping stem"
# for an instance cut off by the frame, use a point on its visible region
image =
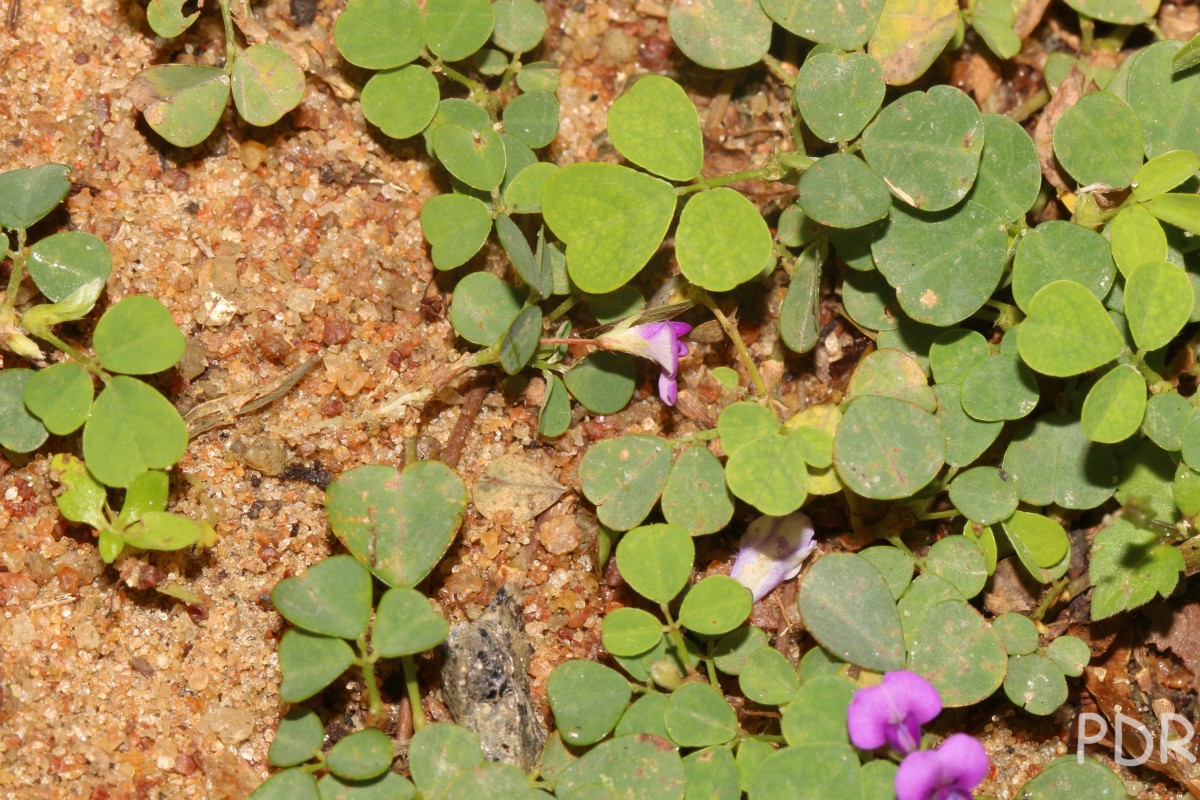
(414, 692)
(760, 386)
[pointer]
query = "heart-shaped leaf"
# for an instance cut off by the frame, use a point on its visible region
(332, 597)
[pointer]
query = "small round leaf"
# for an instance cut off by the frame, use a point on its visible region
(138, 337)
(587, 700)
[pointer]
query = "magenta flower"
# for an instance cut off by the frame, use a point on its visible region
(893, 712)
(659, 342)
(950, 772)
(771, 551)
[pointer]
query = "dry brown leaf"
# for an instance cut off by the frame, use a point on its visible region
(517, 486)
(1068, 94)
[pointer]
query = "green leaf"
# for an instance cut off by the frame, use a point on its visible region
(1099, 141)
(27, 195)
(147, 492)
(66, 262)
(1165, 415)
(770, 475)
(520, 25)
(1180, 210)
(807, 772)
(1115, 406)
(455, 29)
(887, 449)
(635, 767)
(1166, 102)
(167, 19)
(943, 265)
(533, 118)
(966, 437)
(837, 94)
(1035, 683)
(1058, 250)
(655, 126)
(611, 218)
(969, 671)
(1068, 332)
(1052, 461)
(388, 786)
(993, 20)
(401, 102)
(309, 662)
(516, 247)
(645, 715)
(722, 241)
(999, 388)
(1067, 779)
(891, 373)
(475, 157)
(769, 678)
(290, 784)
(732, 652)
(630, 631)
(132, 429)
(624, 478)
(160, 530)
(871, 301)
(362, 755)
(332, 597)
(82, 498)
(587, 700)
(138, 337)
(745, 423)
(494, 781)
(846, 27)
(406, 622)
(909, 36)
(397, 523)
(1158, 303)
(266, 84)
(380, 34)
(438, 752)
(800, 312)
(927, 147)
(520, 341)
(893, 564)
(1129, 567)
(848, 608)
(711, 773)
(816, 714)
(603, 381)
(483, 307)
(540, 76)
(1039, 541)
(524, 193)
(983, 495)
(697, 715)
(720, 34)
(1137, 239)
(181, 102)
(1018, 635)
(695, 497)
(656, 560)
(842, 192)
(1119, 12)
(1070, 654)
(715, 605)
(456, 226)
(959, 561)
(1164, 172)
(297, 739)
(61, 396)
(1009, 174)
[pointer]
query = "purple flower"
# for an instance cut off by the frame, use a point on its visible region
(893, 712)
(950, 772)
(771, 551)
(659, 342)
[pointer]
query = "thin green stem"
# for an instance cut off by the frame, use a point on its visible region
(1029, 106)
(932, 515)
(760, 386)
(897, 540)
(677, 639)
(414, 692)
(563, 308)
(777, 168)
(231, 48)
(479, 92)
(1087, 27)
(366, 663)
(17, 273)
(85, 361)
(559, 340)
(1156, 382)
(510, 73)
(778, 69)
(1052, 594)
(698, 436)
